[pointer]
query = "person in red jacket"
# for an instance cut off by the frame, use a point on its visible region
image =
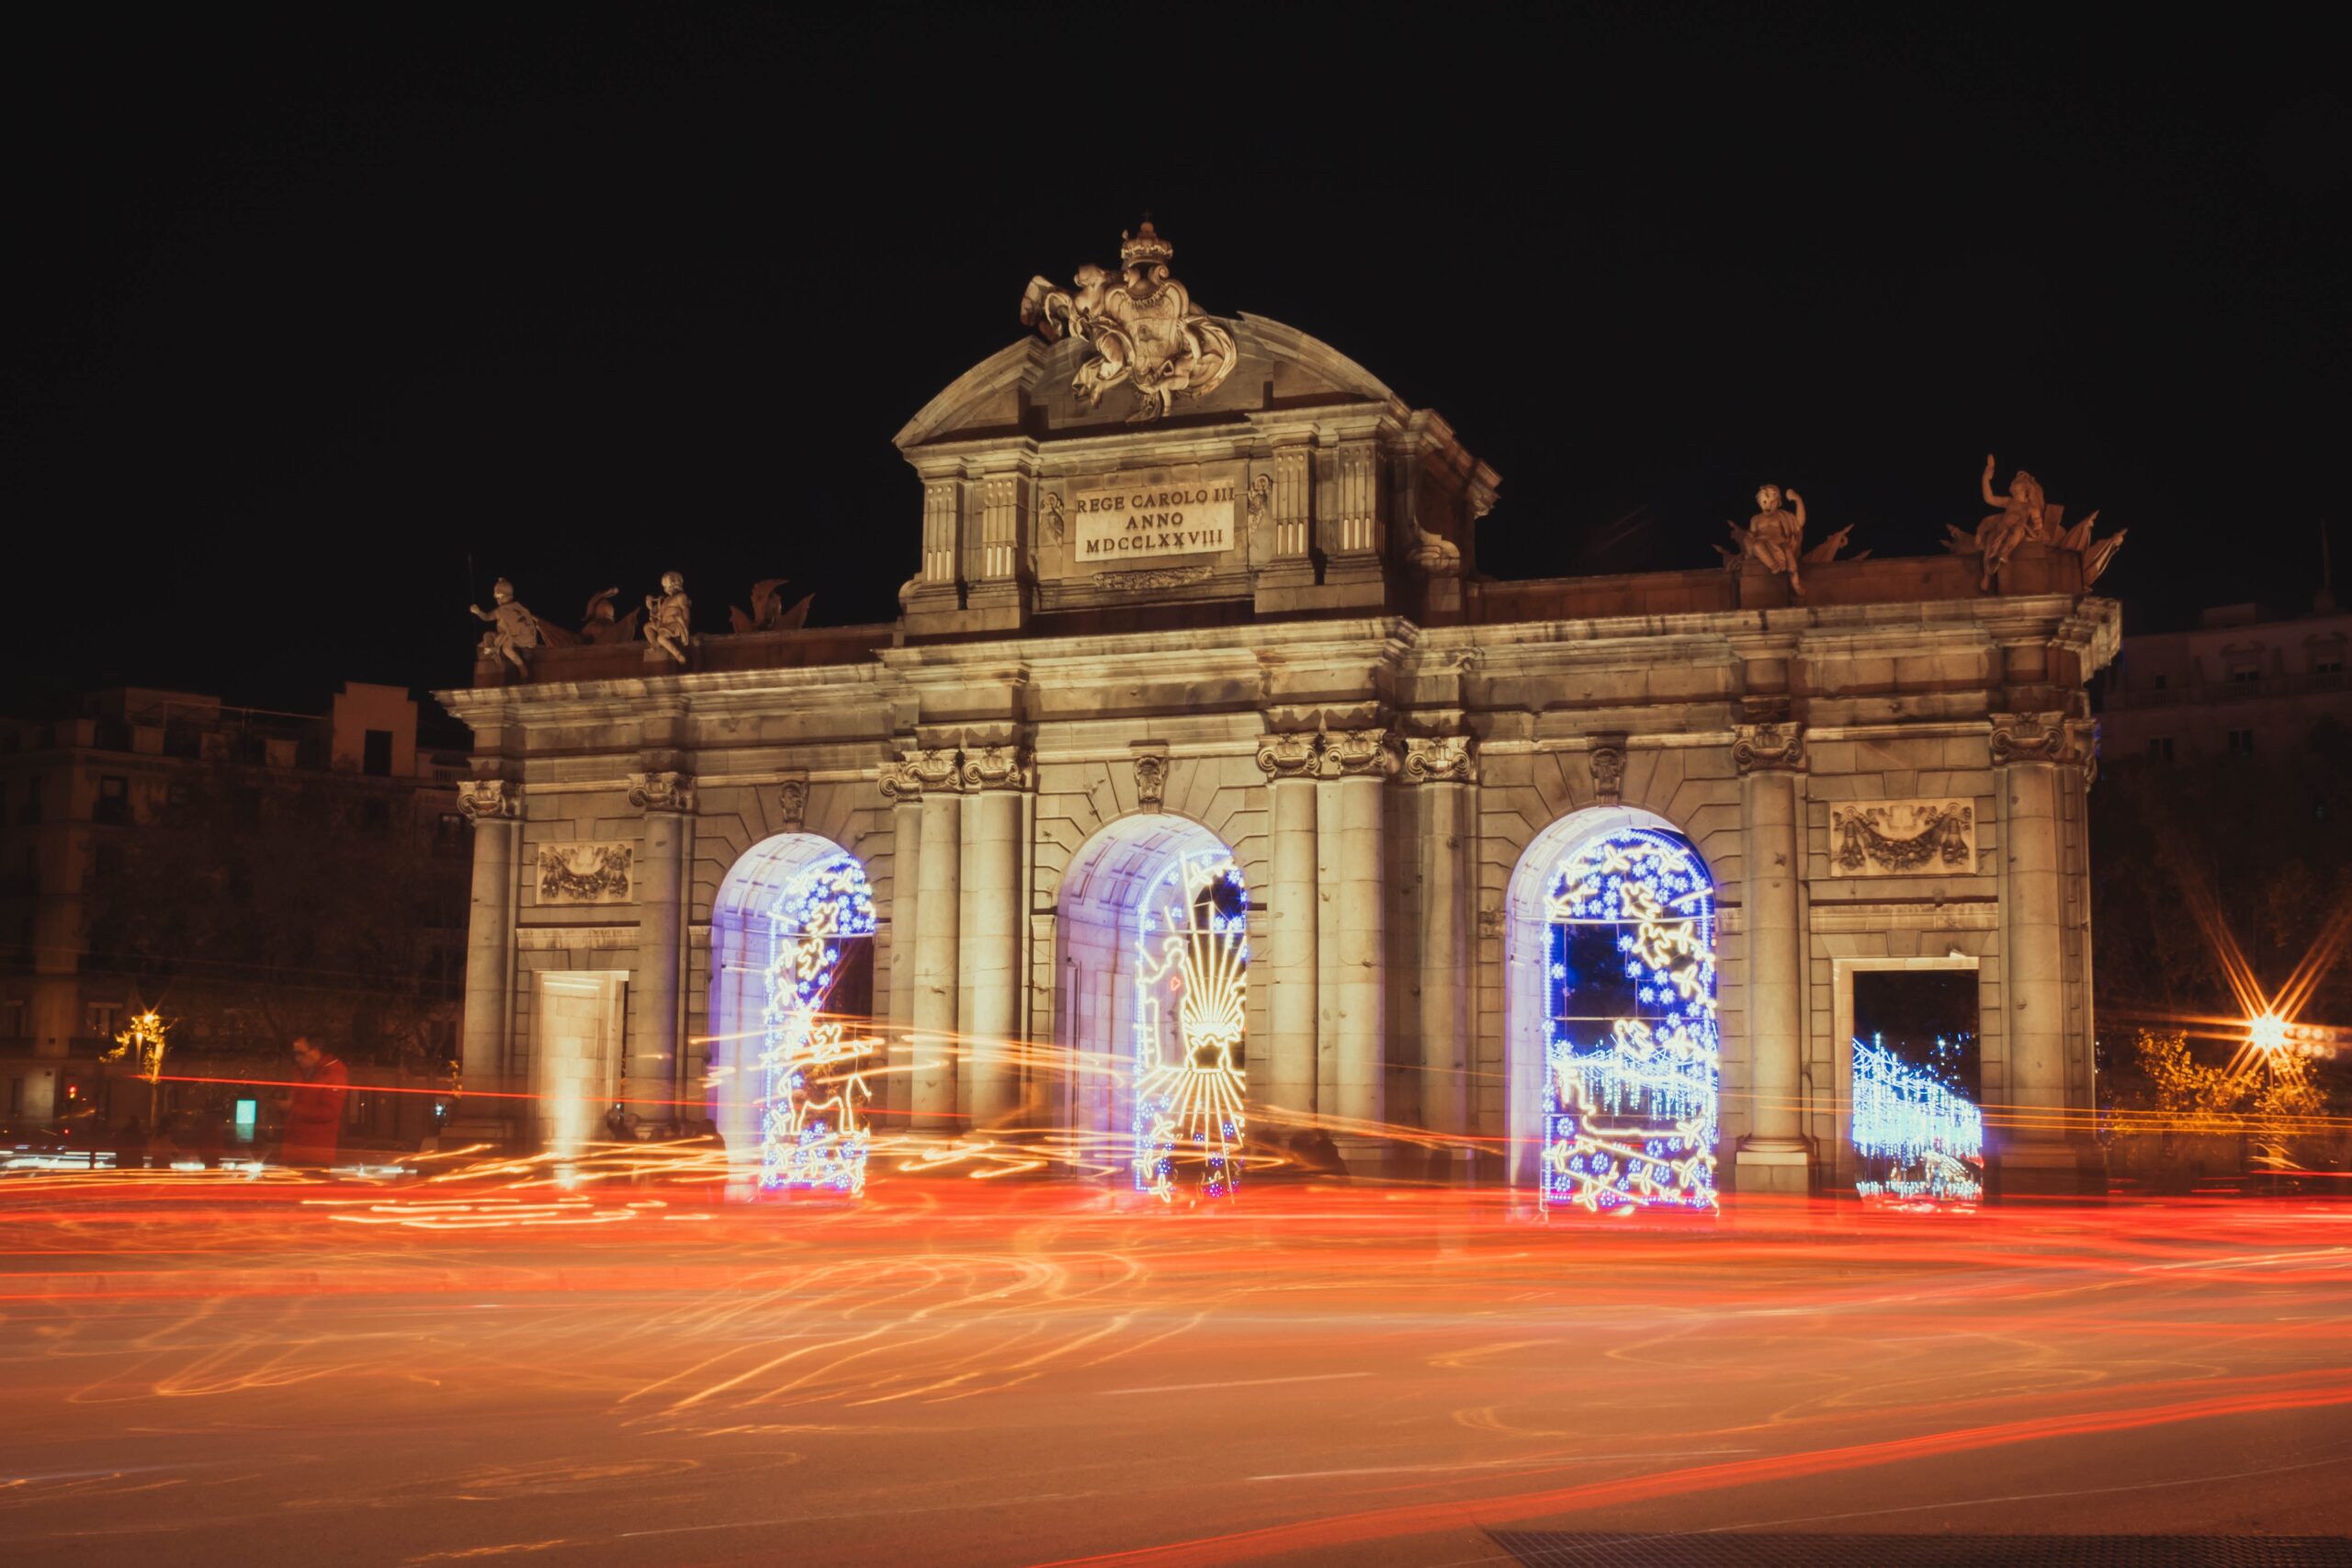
(314, 1111)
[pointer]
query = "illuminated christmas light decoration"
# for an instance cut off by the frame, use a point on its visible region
(144, 1044)
(1191, 950)
(811, 1130)
(1631, 1080)
(1922, 1139)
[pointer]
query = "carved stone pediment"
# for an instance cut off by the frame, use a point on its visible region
(662, 792)
(1768, 748)
(579, 873)
(1903, 838)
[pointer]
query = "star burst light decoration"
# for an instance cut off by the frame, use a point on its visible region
(812, 1131)
(1191, 950)
(1631, 1101)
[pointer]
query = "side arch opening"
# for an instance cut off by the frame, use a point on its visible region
(791, 1003)
(1152, 969)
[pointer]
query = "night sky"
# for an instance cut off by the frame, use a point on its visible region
(322, 319)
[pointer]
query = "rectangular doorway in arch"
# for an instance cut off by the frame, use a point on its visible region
(1918, 1126)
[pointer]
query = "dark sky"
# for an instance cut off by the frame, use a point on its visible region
(323, 318)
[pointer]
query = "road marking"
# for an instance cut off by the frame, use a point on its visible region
(1246, 1382)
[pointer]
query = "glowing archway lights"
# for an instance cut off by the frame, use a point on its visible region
(1929, 1136)
(1192, 951)
(811, 1130)
(1630, 1085)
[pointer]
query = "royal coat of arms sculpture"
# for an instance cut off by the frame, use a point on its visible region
(1142, 325)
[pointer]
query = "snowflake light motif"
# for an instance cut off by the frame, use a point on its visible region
(811, 1130)
(1191, 950)
(1630, 1116)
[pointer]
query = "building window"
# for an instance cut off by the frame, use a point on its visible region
(376, 755)
(2160, 682)
(2160, 748)
(98, 1018)
(450, 834)
(12, 1019)
(32, 813)
(2245, 676)
(376, 814)
(2241, 742)
(2328, 664)
(114, 800)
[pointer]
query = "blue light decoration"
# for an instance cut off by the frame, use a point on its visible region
(1921, 1141)
(1631, 1084)
(1192, 951)
(811, 1131)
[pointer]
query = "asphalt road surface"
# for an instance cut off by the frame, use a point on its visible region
(209, 1370)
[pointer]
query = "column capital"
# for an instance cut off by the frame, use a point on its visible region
(2046, 737)
(917, 770)
(488, 800)
(1441, 759)
(1326, 754)
(995, 768)
(672, 792)
(1768, 748)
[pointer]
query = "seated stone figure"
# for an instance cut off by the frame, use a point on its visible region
(513, 627)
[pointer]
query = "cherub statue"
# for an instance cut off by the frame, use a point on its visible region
(600, 624)
(768, 614)
(1773, 540)
(668, 618)
(512, 627)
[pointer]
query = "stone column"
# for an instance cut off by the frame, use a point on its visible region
(1773, 1158)
(2030, 750)
(493, 807)
(1285, 1076)
(667, 800)
(1357, 984)
(987, 943)
(1443, 769)
(903, 788)
(938, 915)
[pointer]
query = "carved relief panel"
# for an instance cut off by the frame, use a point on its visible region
(585, 874)
(1903, 838)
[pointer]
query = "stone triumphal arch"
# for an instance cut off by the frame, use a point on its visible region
(1205, 797)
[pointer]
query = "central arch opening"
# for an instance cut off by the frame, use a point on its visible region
(1154, 960)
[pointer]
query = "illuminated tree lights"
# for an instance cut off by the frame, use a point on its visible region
(1630, 1085)
(1921, 1140)
(811, 1133)
(1191, 950)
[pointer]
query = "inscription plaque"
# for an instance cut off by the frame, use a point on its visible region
(1134, 518)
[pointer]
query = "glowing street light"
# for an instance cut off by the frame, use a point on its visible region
(2267, 1034)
